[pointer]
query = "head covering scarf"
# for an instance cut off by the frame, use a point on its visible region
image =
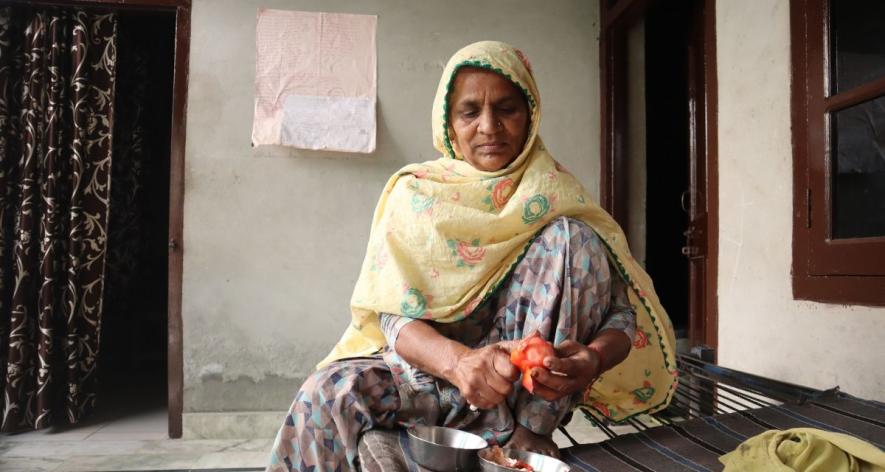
(445, 235)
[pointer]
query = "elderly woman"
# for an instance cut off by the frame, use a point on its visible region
(468, 254)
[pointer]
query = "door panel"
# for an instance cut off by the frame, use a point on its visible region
(693, 217)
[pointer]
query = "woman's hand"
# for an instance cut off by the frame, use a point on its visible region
(572, 370)
(485, 376)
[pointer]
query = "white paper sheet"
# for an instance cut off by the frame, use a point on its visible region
(315, 80)
(310, 121)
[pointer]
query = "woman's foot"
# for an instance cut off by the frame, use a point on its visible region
(525, 440)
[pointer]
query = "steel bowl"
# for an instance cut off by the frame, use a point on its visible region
(444, 449)
(539, 462)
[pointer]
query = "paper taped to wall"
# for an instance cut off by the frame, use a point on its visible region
(329, 123)
(315, 80)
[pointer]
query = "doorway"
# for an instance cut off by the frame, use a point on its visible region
(667, 160)
(674, 199)
(133, 353)
(148, 340)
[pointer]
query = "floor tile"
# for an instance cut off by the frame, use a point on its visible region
(252, 445)
(30, 464)
(226, 459)
(201, 447)
(102, 435)
(65, 449)
(150, 422)
(72, 433)
(105, 463)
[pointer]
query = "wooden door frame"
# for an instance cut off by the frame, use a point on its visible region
(182, 11)
(616, 17)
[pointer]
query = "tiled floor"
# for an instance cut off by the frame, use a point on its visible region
(128, 431)
(138, 442)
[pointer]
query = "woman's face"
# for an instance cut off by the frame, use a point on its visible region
(489, 117)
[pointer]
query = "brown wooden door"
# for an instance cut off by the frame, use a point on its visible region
(696, 247)
(698, 162)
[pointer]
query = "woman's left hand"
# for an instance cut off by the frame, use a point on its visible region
(575, 365)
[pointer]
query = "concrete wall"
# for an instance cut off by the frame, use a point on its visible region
(761, 328)
(274, 237)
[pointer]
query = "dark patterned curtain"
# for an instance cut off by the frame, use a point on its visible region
(57, 74)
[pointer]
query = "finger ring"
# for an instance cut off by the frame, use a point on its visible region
(473, 408)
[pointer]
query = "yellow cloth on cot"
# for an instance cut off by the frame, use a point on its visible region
(804, 450)
(445, 235)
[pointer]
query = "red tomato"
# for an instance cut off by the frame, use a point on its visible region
(530, 353)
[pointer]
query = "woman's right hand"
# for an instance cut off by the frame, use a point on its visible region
(485, 376)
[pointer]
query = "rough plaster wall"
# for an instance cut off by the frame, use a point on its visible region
(274, 237)
(761, 328)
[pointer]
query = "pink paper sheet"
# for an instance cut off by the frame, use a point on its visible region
(315, 80)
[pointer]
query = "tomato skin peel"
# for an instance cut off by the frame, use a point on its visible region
(530, 353)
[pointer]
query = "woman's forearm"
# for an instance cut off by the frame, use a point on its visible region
(424, 348)
(614, 345)
(483, 375)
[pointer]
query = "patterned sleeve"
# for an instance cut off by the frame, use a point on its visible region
(621, 314)
(391, 326)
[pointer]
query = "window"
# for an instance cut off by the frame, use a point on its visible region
(838, 54)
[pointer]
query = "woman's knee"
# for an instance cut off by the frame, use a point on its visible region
(343, 386)
(556, 226)
(583, 231)
(312, 389)
(582, 240)
(331, 381)
(569, 227)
